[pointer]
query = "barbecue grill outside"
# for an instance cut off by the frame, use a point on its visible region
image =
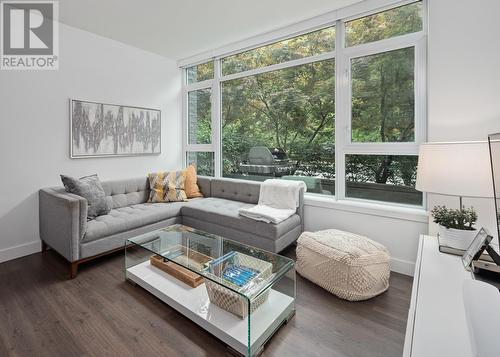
(267, 162)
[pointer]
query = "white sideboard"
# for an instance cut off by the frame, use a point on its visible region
(437, 323)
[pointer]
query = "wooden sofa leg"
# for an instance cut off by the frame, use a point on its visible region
(74, 270)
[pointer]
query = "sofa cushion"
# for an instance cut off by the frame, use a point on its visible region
(125, 218)
(225, 213)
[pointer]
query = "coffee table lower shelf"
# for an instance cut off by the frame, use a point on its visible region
(195, 305)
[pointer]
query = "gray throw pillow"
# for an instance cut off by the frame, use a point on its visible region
(90, 188)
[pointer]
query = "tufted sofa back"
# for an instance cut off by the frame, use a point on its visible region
(127, 192)
(236, 190)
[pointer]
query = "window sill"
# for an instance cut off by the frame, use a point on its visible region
(408, 213)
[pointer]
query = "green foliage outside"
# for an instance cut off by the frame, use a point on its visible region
(292, 109)
(395, 22)
(200, 72)
(199, 116)
(396, 170)
(383, 97)
(310, 44)
(204, 162)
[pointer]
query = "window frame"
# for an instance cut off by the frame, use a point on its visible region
(187, 117)
(343, 89)
(186, 89)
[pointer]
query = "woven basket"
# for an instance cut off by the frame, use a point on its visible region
(230, 300)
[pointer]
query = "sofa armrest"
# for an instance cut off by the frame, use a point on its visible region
(300, 209)
(63, 221)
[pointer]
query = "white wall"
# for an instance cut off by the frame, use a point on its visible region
(464, 70)
(34, 124)
(464, 81)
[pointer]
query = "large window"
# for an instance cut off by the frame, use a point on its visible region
(311, 44)
(339, 108)
(198, 141)
(383, 97)
(385, 24)
(281, 124)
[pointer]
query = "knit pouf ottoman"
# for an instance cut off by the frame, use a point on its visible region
(348, 265)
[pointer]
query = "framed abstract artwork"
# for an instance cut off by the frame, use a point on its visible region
(106, 130)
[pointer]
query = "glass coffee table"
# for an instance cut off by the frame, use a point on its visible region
(238, 293)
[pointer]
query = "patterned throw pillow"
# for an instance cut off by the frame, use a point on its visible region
(176, 181)
(157, 184)
(90, 188)
(167, 186)
(191, 186)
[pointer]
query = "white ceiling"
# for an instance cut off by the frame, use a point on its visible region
(180, 28)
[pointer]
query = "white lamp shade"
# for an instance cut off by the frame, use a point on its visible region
(457, 169)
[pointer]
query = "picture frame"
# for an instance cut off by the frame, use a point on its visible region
(99, 129)
(476, 248)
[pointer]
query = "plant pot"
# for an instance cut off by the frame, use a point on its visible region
(456, 238)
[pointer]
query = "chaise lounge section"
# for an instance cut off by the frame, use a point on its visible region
(64, 226)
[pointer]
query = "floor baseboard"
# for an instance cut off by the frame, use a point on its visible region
(19, 251)
(402, 266)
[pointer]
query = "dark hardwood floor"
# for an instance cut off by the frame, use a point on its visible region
(98, 314)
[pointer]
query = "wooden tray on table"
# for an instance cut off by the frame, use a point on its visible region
(196, 259)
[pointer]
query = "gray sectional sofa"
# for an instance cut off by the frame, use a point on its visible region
(64, 226)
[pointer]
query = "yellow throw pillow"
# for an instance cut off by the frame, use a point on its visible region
(191, 186)
(167, 186)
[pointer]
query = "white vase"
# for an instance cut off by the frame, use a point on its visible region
(456, 238)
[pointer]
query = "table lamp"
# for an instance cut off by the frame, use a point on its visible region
(460, 169)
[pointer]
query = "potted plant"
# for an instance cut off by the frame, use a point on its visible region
(456, 226)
